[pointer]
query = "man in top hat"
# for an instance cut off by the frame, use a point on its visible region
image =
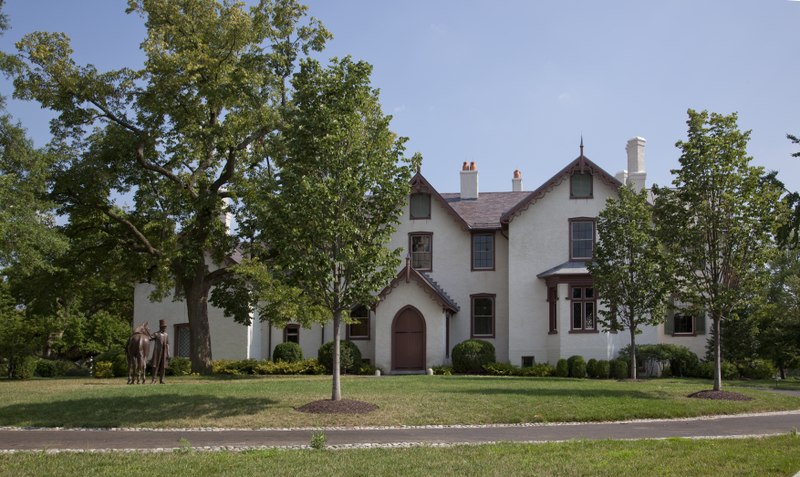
(160, 352)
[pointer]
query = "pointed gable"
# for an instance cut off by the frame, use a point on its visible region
(581, 164)
(433, 289)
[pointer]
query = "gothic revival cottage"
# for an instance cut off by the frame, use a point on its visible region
(506, 267)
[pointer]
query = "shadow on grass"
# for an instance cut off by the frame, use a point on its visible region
(127, 411)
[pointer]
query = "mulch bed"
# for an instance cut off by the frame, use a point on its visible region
(726, 395)
(343, 406)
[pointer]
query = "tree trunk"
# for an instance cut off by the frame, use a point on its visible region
(633, 353)
(717, 354)
(199, 330)
(336, 392)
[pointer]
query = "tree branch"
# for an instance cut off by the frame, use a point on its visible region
(149, 248)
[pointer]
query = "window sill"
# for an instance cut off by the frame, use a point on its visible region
(482, 269)
(579, 197)
(583, 332)
(482, 337)
(678, 335)
(553, 332)
(358, 338)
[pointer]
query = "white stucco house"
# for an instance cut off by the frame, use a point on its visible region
(507, 267)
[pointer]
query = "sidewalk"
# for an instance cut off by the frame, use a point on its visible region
(19, 439)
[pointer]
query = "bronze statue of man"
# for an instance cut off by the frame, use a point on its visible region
(160, 352)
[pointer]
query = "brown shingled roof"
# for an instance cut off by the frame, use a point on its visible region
(485, 211)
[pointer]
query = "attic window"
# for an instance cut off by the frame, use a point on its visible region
(420, 205)
(580, 185)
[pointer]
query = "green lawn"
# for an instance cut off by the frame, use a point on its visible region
(679, 457)
(402, 400)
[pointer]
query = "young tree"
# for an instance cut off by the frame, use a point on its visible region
(343, 182)
(181, 135)
(630, 272)
(718, 222)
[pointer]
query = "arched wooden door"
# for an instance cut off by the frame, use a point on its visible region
(408, 340)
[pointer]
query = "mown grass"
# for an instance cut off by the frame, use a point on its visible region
(679, 457)
(402, 400)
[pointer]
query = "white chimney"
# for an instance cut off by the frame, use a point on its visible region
(469, 181)
(516, 182)
(637, 176)
(621, 176)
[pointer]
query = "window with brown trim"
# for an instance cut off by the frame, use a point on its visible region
(483, 251)
(183, 340)
(528, 361)
(581, 239)
(419, 205)
(580, 185)
(291, 333)
(359, 329)
(482, 316)
(584, 308)
(552, 299)
(421, 246)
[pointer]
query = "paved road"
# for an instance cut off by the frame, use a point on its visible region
(69, 439)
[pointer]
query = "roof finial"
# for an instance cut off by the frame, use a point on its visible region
(581, 144)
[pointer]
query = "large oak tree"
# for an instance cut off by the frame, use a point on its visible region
(179, 136)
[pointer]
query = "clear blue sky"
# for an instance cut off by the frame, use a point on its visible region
(514, 84)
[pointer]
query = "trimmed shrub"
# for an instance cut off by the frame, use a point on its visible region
(470, 356)
(368, 370)
(103, 369)
(179, 366)
(349, 357)
(602, 369)
(577, 367)
(25, 367)
(757, 369)
(289, 352)
(680, 359)
(443, 370)
(539, 370)
(618, 369)
(234, 367)
(591, 368)
(729, 370)
(53, 368)
(562, 368)
(308, 366)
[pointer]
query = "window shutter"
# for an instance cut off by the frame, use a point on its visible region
(669, 323)
(700, 324)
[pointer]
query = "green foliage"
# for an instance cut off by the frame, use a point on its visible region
(577, 366)
(53, 368)
(618, 369)
(104, 370)
(318, 440)
(288, 351)
(680, 359)
(184, 135)
(179, 366)
(718, 221)
(602, 369)
(24, 367)
(246, 367)
(757, 369)
(349, 357)
(562, 368)
(631, 273)
(443, 370)
(368, 369)
(591, 368)
(118, 359)
(470, 356)
(344, 180)
(500, 369)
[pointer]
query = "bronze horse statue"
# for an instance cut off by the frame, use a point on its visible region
(138, 350)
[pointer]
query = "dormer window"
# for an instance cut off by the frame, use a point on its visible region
(580, 185)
